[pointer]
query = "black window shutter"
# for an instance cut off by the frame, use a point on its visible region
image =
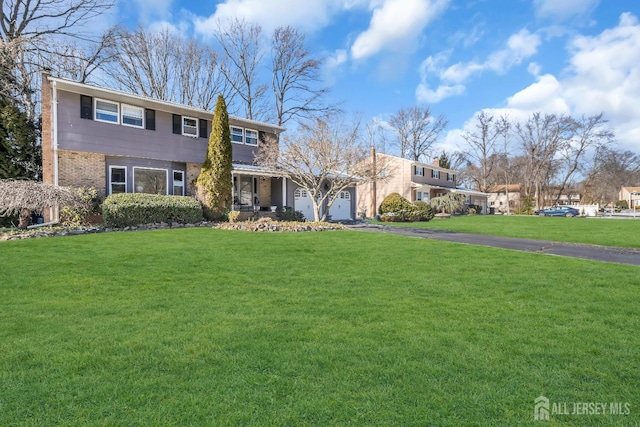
(203, 128)
(86, 107)
(177, 124)
(150, 119)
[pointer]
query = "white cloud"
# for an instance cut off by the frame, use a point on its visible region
(395, 24)
(519, 47)
(332, 65)
(311, 16)
(603, 76)
(149, 10)
(564, 9)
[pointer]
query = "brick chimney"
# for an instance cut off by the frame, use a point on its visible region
(436, 162)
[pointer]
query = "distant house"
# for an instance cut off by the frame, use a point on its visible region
(631, 195)
(498, 197)
(414, 181)
(568, 197)
(120, 142)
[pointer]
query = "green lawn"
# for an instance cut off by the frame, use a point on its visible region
(596, 231)
(213, 327)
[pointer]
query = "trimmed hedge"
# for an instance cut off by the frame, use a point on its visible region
(126, 210)
(424, 210)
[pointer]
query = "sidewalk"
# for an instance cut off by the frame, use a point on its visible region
(573, 250)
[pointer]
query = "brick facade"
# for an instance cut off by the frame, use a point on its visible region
(80, 169)
(47, 138)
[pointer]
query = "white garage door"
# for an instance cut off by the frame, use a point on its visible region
(303, 203)
(341, 207)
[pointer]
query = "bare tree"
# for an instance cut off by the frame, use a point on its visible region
(22, 197)
(588, 134)
(417, 131)
(481, 148)
(243, 52)
(163, 66)
(610, 169)
(295, 81)
(323, 158)
(541, 138)
(503, 129)
(27, 30)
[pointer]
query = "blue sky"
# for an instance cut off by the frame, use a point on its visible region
(459, 56)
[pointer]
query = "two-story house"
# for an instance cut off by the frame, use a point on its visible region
(120, 142)
(414, 181)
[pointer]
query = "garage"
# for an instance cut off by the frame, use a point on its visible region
(303, 203)
(341, 207)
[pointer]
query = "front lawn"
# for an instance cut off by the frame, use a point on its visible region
(216, 327)
(595, 231)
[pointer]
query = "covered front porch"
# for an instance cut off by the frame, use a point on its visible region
(425, 192)
(257, 191)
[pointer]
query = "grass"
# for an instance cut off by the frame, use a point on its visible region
(216, 327)
(595, 231)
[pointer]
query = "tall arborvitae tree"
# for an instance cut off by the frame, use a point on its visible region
(214, 182)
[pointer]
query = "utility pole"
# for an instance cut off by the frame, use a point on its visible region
(373, 182)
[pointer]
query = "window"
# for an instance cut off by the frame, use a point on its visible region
(493, 203)
(467, 199)
(151, 181)
(107, 111)
(178, 183)
(86, 107)
(117, 179)
(450, 177)
(435, 174)
(237, 135)
(300, 193)
(190, 126)
(422, 196)
(132, 116)
(418, 170)
(251, 137)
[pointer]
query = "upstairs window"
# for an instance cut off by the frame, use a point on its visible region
(450, 177)
(237, 135)
(435, 174)
(418, 170)
(190, 126)
(132, 116)
(251, 137)
(107, 111)
(86, 107)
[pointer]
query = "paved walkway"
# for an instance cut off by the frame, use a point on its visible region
(574, 250)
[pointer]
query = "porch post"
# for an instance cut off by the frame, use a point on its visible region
(284, 191)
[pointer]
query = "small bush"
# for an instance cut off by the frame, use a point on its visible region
(621, 204)
(125, 210)
(400, 208)
(88, 204)
(474, 209)
(233, 216)
(423, 210)
(287, 213)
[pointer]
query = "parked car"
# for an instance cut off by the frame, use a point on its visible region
(567, 211)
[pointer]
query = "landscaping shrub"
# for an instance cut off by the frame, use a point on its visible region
(621, 204)
(287, 213)
(474, 209)
(423, 210)
(395, 208)
(125, 210)
(88, 205)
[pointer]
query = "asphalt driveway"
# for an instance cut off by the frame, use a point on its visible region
(574, 250)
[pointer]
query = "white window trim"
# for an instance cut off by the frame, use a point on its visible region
(450, 177)
(435, 174)
(418, 168)
(247, 139)
(173, 182)
(147, 168)
(122, 107)
(196, 126)
(241, 134)
(111, 182)
(95, 111)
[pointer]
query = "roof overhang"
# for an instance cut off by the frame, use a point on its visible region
(252, 170)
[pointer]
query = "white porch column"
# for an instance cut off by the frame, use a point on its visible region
(284, 191)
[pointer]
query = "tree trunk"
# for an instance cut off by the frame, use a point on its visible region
(25, 217)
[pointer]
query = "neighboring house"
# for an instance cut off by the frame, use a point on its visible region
(569, 197)
(414, 181)
(631, 195)
(498, 197)
(120, 142)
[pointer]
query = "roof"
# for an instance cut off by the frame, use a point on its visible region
(242, 169)
(118, 95)
(422, 164)
(631, 189)
(515, 188)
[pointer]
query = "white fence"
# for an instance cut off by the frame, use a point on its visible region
(587, 210)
